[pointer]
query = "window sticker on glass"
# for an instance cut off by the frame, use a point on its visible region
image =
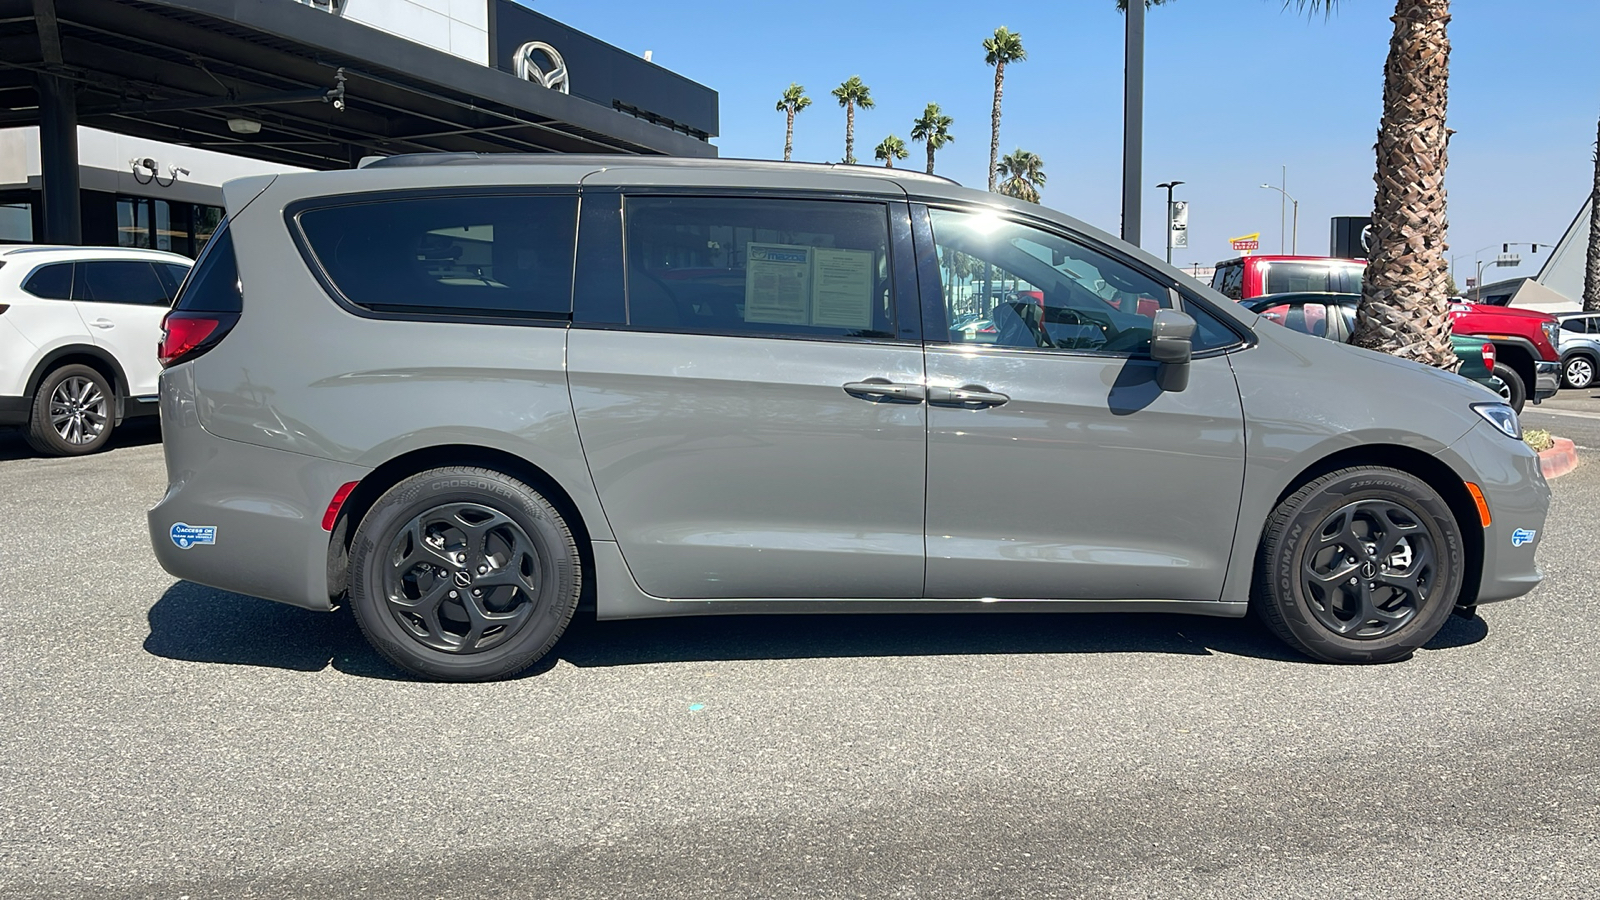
(777, 284)
(842, 288)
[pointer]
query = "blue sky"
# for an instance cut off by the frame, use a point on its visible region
(1234, 90)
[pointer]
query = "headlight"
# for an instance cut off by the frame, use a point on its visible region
(1552, 332)
(1500, 416)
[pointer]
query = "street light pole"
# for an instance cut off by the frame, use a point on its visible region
(1169, 185)
(1296, 246)
(1133, 121)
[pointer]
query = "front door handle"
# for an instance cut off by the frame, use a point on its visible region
(103, 323)
(884, 389)
(972, 396)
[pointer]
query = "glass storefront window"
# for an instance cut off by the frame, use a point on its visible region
(16, 222)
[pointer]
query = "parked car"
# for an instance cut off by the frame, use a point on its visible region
(78, 334)
(1579, 345)
(438, 391)
(1525, 347)
(1333, 316)
(1255, 276)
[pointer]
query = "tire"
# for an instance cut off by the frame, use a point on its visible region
(1515, 391)
(74, 412)
(437, 537)
(1303, 587)
(1578, 372)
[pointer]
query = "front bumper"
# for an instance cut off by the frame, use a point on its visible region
(1508, 473)
(238, 516)
(1546, 379)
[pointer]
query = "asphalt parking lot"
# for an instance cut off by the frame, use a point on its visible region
(165, 740)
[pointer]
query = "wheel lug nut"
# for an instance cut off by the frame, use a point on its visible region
(1353, 581)
(477, 593)
(454, 595)
(482, 569)
(461, 557)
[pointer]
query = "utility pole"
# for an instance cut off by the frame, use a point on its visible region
(1133, 121)
(1169, 185)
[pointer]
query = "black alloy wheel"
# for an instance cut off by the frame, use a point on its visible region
(463, 574)
(1360, 565)
(73, 412)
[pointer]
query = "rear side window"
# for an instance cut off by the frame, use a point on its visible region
(759, 266)
(52, 282)
(1301, 278)
(450, 256)
(213, 286)
(172, 276)
(127, 282)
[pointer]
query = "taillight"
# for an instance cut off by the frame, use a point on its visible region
(1488, 357)
(185, 335)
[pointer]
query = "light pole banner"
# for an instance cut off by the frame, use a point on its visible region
(1180, 224)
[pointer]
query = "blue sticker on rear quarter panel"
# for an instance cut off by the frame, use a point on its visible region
(1523, 536)
(186, 536)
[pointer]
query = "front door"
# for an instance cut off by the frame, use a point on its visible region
(1057, 469)
(754, 422)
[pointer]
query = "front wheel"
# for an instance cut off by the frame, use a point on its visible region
(1578, 372)
(463, 574)
(1362, 565)
(1513, 389)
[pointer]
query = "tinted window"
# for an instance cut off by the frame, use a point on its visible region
(1228, 280)
(130, 282)
(52, 282)
(766, 266)
(213, 286)
(1306, 318)
(1576, 325)
(471, 256)
(1209, 332)
(1014, 285)
(1298, 278)
(172, 276)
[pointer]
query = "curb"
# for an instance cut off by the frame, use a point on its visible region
(1558, 460)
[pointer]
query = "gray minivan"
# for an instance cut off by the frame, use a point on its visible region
(459, 393)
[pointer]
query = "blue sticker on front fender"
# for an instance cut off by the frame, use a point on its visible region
(1523, 536)
(186, 536)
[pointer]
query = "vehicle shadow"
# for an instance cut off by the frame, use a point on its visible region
(139, 432)
(200, 624)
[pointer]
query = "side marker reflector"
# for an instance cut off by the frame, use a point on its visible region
(343, 494)
(1483, 505)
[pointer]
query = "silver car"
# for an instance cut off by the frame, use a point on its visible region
(1579, 346)
(460, 393)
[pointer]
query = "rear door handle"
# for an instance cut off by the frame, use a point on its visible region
(884, 389)
(103, 323)
(972, 396)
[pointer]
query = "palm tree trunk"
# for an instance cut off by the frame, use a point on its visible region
(1404, 305)
(1591, 274)
(888, 162)
(788, 137)
(994, 122)
(930, 154)
(849, 132)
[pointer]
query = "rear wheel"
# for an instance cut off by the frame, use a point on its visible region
(1361, 565)
(1513, 390)
(73, 412)
(463, 574)
(1578, 372)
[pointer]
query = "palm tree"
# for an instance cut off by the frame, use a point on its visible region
(1591, 274)
(933, 129)
(793, 101)
(1005, 47)
(851, 94)
(1404, 306)
(890, 150)
(1024, 175)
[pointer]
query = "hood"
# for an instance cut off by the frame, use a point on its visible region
(1485, 309)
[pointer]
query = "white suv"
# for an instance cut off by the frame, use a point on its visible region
(79, 328)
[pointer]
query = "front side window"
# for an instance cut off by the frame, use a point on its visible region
(128, 282)
(813, 268)
(1013, 285)
(498, 257)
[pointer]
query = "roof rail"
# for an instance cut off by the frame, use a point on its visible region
(406, 160)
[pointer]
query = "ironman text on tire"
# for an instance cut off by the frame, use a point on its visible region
(73, 412)
(463, 574)
(1360, 565)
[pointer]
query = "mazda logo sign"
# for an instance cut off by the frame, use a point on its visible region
(542, 64)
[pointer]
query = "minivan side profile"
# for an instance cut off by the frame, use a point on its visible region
(458, 393)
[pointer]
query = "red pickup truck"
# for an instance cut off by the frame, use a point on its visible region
(1525, 347)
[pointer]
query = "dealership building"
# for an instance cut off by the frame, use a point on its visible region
(121, 119)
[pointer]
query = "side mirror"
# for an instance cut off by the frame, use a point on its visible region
(1172, 345)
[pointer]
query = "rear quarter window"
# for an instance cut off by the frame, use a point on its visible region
(495, 257)
(213, 286)
(51, 282)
